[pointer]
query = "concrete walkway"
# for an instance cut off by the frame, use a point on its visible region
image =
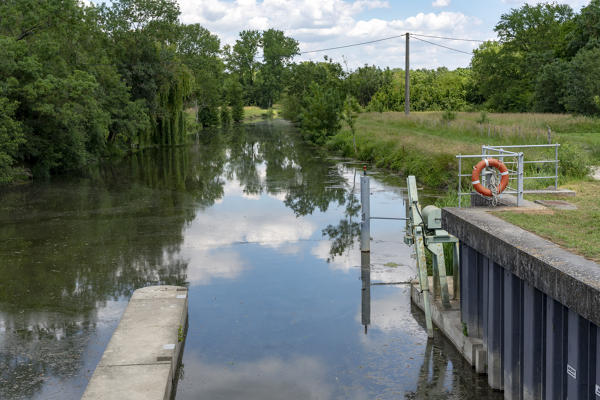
(141, 359)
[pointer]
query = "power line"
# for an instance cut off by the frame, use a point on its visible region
(354, 44)
(447, 38)
(396, 37)
(441, 45)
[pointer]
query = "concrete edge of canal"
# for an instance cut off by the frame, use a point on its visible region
(528, 313)
(142, 357)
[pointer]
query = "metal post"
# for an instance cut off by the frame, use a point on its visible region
(459, 178)
(407, 77)
(455, 272)
(417, 234)
(556, 167)
(440, 283)
(520, 179)
(484, 175)
(365, 225)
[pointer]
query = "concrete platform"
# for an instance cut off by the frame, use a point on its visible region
(141, 359)
(449, 323)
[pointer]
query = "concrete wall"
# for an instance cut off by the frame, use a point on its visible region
(533, 304)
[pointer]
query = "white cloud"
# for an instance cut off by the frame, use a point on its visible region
(441, 3)
(319, 24)
(268, 378)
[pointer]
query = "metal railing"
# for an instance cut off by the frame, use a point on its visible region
(516, 158)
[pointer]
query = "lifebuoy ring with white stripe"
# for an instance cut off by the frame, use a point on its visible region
(489, 162)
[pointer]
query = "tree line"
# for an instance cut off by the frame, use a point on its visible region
(546, 59)
(79, 82)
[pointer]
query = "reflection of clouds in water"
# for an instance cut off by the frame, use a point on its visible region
(217, 228)
(206, 265)
(392, 312)
(269, 378)
(350, 259)
(208, 239)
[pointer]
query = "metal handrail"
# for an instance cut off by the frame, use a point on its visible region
(501, 152)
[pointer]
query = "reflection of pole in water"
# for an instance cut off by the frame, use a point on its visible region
(365, 277)
(432, 376)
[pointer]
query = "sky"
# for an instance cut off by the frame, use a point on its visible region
(319, 24)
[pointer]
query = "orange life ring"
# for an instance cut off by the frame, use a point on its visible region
(489, 162)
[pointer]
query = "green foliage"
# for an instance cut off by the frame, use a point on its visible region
(11, 136)
(79, 82)
(448, 116)
(550, 87)
(236, 101)
(583, 85)
(225, 116)
(322, 113)
(574, 163)
(363, 83)
(349, 116)
(483, 118)
(546, 60)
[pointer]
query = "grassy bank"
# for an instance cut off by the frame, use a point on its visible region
(425, 144)
(576, 230)
(253, 113)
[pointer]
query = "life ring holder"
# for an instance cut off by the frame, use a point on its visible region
(489, 162)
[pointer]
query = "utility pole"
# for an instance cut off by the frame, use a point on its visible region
(407, 77)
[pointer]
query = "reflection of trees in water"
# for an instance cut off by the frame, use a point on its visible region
(342, 235)
(70, 246)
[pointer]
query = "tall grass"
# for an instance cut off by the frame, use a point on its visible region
(425, 144)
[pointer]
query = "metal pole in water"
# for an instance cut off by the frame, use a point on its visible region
(365, 225)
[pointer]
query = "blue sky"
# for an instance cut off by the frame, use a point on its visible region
(319, 24)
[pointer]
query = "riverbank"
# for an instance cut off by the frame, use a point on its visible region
(425, 144)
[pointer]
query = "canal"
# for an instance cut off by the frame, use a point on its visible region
(263, 229)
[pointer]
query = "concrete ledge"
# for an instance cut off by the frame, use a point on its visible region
(568, 278)
(448, 321)
(141, 359)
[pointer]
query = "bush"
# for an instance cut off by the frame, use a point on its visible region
(483, 118)
(574, 163)
(448, 116)
(225, 116)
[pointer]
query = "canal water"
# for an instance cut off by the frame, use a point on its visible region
(263, 230)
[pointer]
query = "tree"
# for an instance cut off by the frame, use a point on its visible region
(582, 92)
(322, 113)
(349, 116)
(530, 37)
(278, 51)
(236, 100)
(550, 87)
(366, 81)
(200, 51)
(241, 61)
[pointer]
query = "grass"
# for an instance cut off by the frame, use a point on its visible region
(575, 230)
(253, 113)
(425, 144)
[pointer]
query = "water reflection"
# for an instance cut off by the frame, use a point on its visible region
(260, 228)
(365, 290)
(73, 250)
